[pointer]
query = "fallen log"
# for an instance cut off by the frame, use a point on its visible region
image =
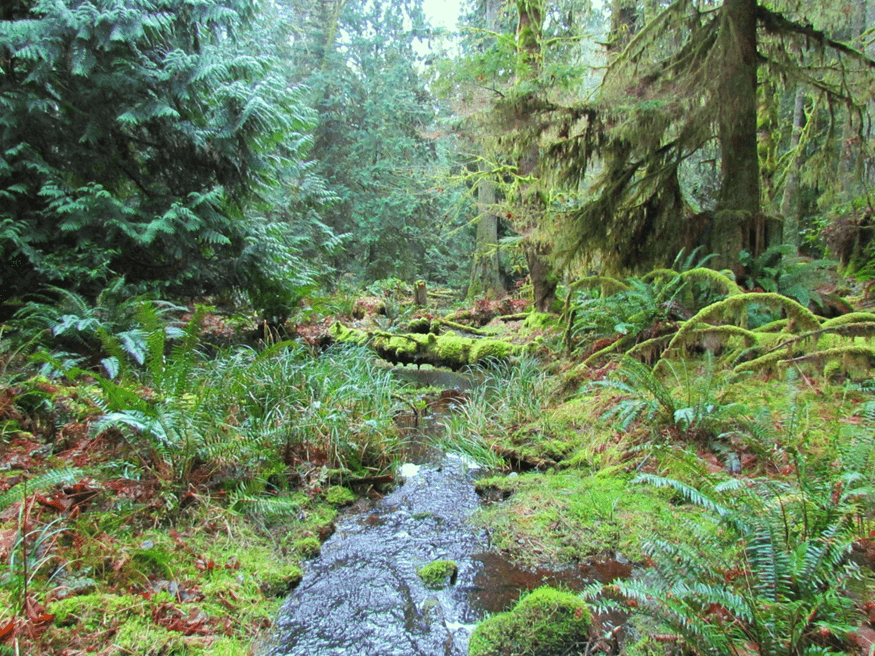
(447, 350)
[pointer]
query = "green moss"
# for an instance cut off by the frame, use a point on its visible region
(573, 516)
(547, 622)
(453, 348)
(420, 325)
(337, 495)
(142, 636)
(736, 307)
(308, 547)
(540, 320)
(88, 611)
(491, 348)
(852, 317)
(438, 574)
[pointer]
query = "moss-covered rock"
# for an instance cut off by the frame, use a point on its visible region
(337, 495)
(547, 622)
(438, 574)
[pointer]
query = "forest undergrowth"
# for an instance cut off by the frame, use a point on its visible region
(166, 469)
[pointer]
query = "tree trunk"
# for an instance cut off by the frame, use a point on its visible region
(485, 274)
(485, 278)
(544, 280)
(738, 202)
(624, 23)
(420, 293)
(789, 202)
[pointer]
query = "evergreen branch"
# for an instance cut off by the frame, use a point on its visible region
(779, 24)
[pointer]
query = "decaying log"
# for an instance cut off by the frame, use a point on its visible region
(446, 350)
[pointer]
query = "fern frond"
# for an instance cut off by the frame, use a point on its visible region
(688, 492)
(266, 506)
(50, 479)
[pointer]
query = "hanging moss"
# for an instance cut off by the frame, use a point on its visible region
(715, 278)
(618, 345)
(850, 359)
(853, 317)
(767, 361)
(659, 274)
(773, 326)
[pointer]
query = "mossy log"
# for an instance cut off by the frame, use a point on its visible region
(446, 350)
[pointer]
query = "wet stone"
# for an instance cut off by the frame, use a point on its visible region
(362, 595)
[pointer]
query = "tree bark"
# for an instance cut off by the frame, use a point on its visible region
(529, 36)
(624, 23)
(485, 278)
(485, 273)
(789, 202)
(738, 203)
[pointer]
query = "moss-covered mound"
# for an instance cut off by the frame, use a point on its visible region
(547, 622)
(438, 573)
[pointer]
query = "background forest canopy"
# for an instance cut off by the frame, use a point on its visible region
(259, 150)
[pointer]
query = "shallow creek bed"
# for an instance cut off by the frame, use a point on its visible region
(363, 595)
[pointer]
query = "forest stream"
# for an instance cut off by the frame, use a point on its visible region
(362, 596)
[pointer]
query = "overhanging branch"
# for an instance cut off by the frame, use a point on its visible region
(779, 24)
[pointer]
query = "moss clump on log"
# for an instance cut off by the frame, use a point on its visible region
(447, 350)
(734, 308)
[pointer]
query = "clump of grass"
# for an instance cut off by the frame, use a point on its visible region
(510, 393)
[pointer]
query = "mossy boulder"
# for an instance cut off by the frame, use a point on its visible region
(547, 622)
(438, 574)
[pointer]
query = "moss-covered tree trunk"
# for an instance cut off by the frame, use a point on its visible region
(738, 202)
(624, 23)
(537, 251)
(789, 200)
(485, 275)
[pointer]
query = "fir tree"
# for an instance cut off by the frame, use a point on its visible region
(134, 134)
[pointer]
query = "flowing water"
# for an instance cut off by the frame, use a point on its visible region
(362, 595)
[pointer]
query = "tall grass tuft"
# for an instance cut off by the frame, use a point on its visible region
(509, 393)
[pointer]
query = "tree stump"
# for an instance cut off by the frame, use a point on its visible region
(420, 296)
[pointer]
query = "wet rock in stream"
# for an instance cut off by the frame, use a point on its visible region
(362, 595)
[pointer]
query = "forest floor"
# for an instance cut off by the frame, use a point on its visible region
(112, 545)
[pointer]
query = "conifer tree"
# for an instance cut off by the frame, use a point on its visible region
(134, 135)
(373, 140)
